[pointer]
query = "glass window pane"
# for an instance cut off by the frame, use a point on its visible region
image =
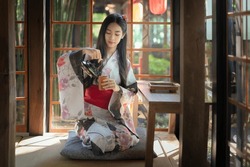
(246, 35)
(208, 7)
(243, 83)
(246, 26)
(20, 34)
(55, 93)
(240, 128)
(248, 45)
(99, 17)
(20, 60)
(157, 63)
(237, 5)
(234, 131)
(245, 5)
(20, 85)
(20, 11)
(232, 79)
(96, 29)
(105, 7)
(151, 36)
(137, 35)
(231, 39)
(20, 112)
(136, 61)
(165, 17)
(69, 35)
(71, 10)
(208, 71)
(209, 29)
(208, 60)
(56, 112)
(240, 94)
(237, 26)
(248, 5)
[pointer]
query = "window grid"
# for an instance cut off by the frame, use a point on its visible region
(21, 35)
(239, 91)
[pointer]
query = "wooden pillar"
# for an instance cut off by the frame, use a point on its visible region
(36, 45)
(193, 124)
(7, 82)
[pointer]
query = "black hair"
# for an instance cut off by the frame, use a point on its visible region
(121, 47)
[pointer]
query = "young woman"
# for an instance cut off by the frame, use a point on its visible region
(104, 119)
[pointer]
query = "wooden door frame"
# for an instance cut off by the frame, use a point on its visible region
(36, 44)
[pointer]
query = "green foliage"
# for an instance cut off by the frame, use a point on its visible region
(99, 17)
(158, 65)
(20, 10)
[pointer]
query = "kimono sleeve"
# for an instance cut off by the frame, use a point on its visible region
(70, 90)
(121, 101)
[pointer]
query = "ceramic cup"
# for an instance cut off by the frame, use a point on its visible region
(100, 80)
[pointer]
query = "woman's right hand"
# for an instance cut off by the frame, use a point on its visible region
(92, 53)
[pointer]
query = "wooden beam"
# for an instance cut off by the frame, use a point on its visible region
(8, 82)
(193, 118)
(36, 70)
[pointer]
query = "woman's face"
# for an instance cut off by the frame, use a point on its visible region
(113, 35)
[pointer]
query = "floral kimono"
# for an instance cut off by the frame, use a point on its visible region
(105, 122)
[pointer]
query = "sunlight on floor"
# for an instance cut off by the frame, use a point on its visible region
(25, 145)
(44, 151)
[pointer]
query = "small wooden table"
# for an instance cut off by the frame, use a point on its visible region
(157, 103)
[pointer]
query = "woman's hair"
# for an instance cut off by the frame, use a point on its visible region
(121, 47)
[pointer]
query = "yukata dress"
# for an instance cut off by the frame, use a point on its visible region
(104, 120)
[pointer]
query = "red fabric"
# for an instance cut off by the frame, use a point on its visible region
(98, 97)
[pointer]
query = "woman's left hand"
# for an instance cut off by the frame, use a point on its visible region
(110, 84)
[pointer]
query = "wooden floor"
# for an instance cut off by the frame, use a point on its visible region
(44, 151)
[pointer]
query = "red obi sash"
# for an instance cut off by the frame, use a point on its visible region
(98, 97)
